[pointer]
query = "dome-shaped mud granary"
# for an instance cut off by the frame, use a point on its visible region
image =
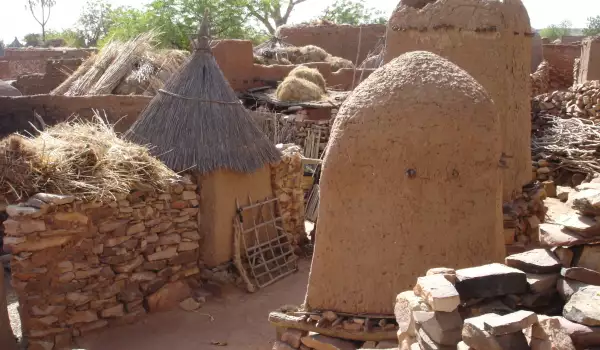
(490, 39)
(410, 181)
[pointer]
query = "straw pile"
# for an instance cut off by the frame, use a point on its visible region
(82, 158)
(277, 52)
(132, 67)
(298, 90)
(310, 74)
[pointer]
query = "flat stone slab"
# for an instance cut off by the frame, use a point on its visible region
(322, 342)
(438, 292)
(427, 343)
(540, 283)
(489, 281)
(590, 257)
(535, 261)
(475, 336)
(582, 274)
(554, 235)
(551, 334)
(442, 327)
(584, 306)
(406, 303)
(567, 287)
(511, 323)
(583, 336)
(584, 225)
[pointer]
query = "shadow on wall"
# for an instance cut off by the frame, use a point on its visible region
(236, 60)
(17, 114)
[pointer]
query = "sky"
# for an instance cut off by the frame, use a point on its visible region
(15, 20)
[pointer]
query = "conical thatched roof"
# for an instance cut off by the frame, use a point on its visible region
(196, 122)
(15, 44)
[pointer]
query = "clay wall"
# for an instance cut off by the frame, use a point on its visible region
(537, 52)
(220, 191)
(502, 66)
(344, 40)
(589, 64)
(56, 72)
(562, 58)
(396, 196)
(16, 113)
(236, 60)
(79, 266)
(28, 61)
(571, 39)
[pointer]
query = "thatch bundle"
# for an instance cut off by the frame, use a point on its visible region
(298, 90)
(275, 51)
(124, 68)
(82, 158)
(311, 74)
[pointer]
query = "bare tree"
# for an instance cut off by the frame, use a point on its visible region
(40, 10)
(270, 12)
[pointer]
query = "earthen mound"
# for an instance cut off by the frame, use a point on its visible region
(311, 74)
(410, 181)
(298, 90)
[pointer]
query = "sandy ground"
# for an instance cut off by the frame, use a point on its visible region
(240, 320)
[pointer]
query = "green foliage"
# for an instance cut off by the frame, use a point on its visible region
(593, 26)
(2, 47)
(352, 12)
(177, 21)
(33, 39)
(556, 31)
(270, 13)
(72, 37)
(94, 21)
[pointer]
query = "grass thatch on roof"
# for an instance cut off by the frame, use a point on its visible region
(134, 67)
(82, 158)
(276, 51)
(198, 123)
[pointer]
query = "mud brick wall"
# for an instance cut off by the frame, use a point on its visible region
(29, 61)
(287, 185)
(80, 266)
(236, 60)
(17, 113)
(562, 58)
(56, 71)
(344, 40)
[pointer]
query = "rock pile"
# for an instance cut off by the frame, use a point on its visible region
(522, 217)
(540, 79)
(287, 178)
(581, 101)
(80, 266)
(502, 306)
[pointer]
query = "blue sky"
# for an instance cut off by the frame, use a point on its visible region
(17, 21)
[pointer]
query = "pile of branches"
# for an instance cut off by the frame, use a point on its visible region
(571, 144)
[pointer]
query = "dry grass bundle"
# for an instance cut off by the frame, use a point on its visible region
(338, 63)
(103, 60)
(310, 74)
(82, 158)
(300, 90)
(312, 53)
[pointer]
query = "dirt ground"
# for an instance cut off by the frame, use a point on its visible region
(240, 319)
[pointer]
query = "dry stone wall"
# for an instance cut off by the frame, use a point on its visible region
(79, 266)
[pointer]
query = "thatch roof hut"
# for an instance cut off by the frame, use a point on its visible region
(15, 44)
(196, 123)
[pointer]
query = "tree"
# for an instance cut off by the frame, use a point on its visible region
(33, 39)
(555, 31)
(94, 21)
(40, 10)
(270, 12)
(2, 47)
(593, 26)
(352, 12)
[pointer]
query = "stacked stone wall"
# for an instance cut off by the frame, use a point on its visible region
(79, 266)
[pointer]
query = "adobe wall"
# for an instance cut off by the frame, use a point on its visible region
(56, 71)
(80, 266)
(219, 193)
(499, 36)
(29, 61)
(236, 60)
(562, 58)
(338, 40)
(537, 52)
(589, 65)
(16, 113)
(410, 181)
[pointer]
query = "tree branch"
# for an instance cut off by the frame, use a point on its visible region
(289, 9)
(263, 19)
(33, 13)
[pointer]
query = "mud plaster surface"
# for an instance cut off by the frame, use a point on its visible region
(379, 229)
(500, 60)
(219, 191)
(590, 61)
